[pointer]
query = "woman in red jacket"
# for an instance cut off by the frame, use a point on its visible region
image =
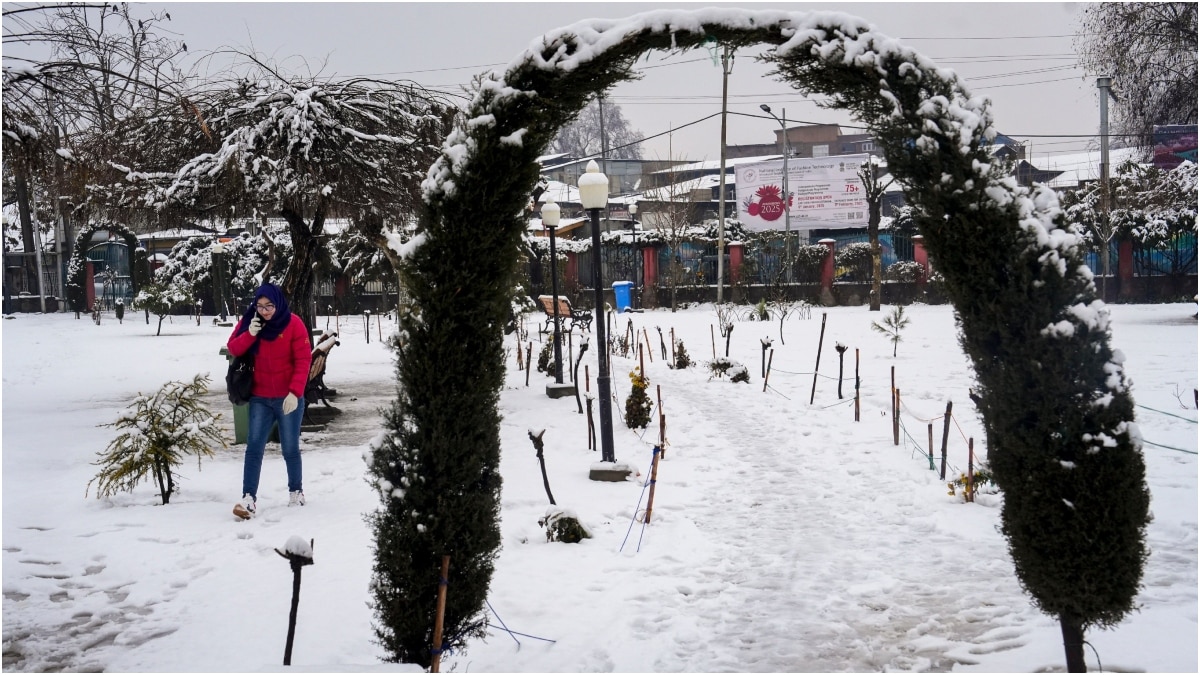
(282, 356)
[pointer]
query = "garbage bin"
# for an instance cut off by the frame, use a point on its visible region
(622, 291)
(241, 413)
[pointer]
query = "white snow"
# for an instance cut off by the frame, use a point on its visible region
(785, 537)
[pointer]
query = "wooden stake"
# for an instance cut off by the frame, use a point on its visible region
(662, 433)
(379, 326)
(642, 359)
(587, 384)
(528, 362)
(770, 358)
(441, 616)
(971, 469)
(945, 438)
(713, 334)
(857, 406)
(672, 344)
(653, 482)
(820, 343)
(896, 421)
(931, 465)
(520, 357)
(892, 399)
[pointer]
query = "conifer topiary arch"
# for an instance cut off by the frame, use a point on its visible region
(1055, 399)
(139, 265)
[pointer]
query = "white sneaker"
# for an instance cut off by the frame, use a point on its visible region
(245, 508)
(296, 498)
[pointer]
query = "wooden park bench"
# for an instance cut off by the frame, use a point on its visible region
(568, 315)
(315, 390)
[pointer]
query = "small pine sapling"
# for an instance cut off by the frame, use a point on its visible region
(682, 360)
(157, 432)
(891, 326)
(638, 405)
(544, 358)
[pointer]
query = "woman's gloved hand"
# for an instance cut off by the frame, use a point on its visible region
(256, 324)
(290, 403)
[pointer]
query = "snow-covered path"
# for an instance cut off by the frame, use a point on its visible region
(785, 537)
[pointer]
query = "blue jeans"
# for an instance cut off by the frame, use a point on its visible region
(264, 413)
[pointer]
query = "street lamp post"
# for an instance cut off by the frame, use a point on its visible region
(218, 280)
(787, 205)
(550, 216)
(637, 278)
(593, 194)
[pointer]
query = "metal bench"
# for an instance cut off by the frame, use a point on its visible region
(568, 315)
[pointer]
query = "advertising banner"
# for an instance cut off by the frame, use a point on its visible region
(1174, 144)
(826, 193)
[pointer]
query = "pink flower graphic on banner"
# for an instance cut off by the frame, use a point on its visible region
(766, 203)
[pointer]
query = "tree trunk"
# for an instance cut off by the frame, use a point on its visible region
(1072, 634)
(873, 210)
(299, 284)
(23, 212)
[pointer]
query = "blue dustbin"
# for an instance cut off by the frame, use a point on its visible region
(622, 291)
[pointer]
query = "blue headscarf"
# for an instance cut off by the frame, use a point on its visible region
(279, 320)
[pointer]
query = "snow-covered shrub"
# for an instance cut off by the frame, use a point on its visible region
(721, 366)
(157, 432)
(904, 270)
(854, 261)
(563, 525)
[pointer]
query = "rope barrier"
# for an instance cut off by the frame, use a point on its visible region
(1163, 412)
(638, 508)
(512, 633)
(849, 401)
(1158, 445)
(778, 392)
(788, 372)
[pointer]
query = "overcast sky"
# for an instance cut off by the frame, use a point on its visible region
(1021, 55)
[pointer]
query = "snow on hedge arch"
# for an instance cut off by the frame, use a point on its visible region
(1025, 301)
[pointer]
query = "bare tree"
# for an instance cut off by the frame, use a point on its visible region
(71, 73)
(871, 176)
(307, 150)
(1149, 48)
(583, 136)
(670, 210)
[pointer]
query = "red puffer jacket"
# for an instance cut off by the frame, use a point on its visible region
(280, 365)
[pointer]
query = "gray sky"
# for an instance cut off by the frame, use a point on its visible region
(1018, 54)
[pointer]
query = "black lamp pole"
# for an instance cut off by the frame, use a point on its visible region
(593, 193)
(554, 293)
(637, 278)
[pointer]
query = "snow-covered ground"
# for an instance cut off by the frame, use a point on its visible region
(785, 536)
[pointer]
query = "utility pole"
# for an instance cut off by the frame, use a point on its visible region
(1103, 83)
(603, 138)
(726, 67)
